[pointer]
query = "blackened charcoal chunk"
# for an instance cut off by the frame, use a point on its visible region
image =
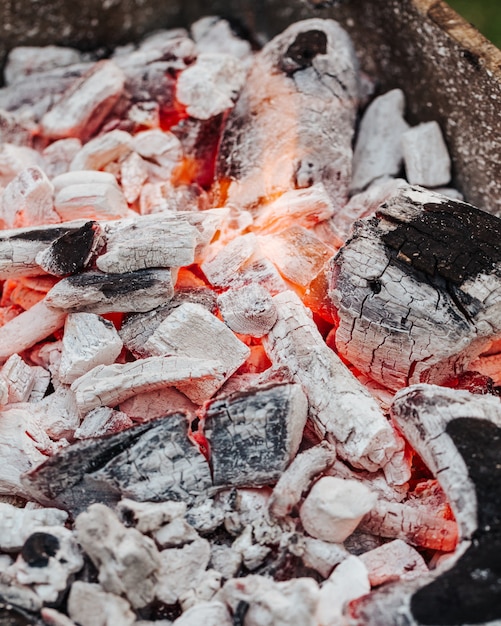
(304, 49)
(38, 548)
(153, 461)
(71, 252)
(254, 435)
(470, 592)
(12, 616)
(451, 239)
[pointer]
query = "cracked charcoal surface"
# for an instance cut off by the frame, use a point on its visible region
(112, 285)
(248, 436)
(42, 235)
(153, 461)
(470, 592)
(453, 240)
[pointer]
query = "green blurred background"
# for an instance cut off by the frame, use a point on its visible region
(484, 14)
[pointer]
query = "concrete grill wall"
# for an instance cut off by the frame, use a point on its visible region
(448, 71)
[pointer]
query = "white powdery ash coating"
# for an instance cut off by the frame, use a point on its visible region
(334, 508)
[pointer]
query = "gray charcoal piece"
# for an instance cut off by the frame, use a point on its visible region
(150, 462)
(254, 435)
(427, 160)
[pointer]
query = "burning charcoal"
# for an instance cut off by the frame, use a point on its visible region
(163, 148)
(210, 85)
(58, 414)
(25, 60)
(147, 243)
(15, 159)
(297, 253)
(27, 200)
(29, 327)
(95, 292)
(91, 201)
(58, 155)
(20, 378)
(254, 435)
(105, 469)
(83, 177)
(422, 412)
(97, 153)
(427, 160)
(148, 517)
(85, 105)
(259, 601)
(334, 507)
(298, 476)
(248, 310)
(181, 569)
(128, 562)
(225, 560)
(16, 524)
(133, 175)
(301, 207)
(340, 407)
(192, 331)
(378, 151)
(153, 404)
(417, 525)
(393, 561)
(347, 582)
(4, 390)
(88, 341)
(89, 605)
(293, 128)
(207, 613)
(207, 586)
(16, 128)
(48, 559)
(322, 556)
(213, 34)
(415, 289)
(242, 263)
(111, 384)
(102, 421)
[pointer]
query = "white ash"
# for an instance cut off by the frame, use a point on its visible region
(85, 105)
(20, 378)
(101, 421)
(378, 150)
(14, 159)
(291, 603)
(340, 407)
(252, 553)
(20, 596)
(4, 390)
(148, 517)
(214, 34)
(175, 534)
(48, 559)
(162, 148)
(111, 384)
(128, 562)
(426, 157)
(133, 175)
(181, 569)
(205, 590)
(207, 613)
(225, 560)
(144, 407)
(52, 617)
(334, 507)
(58, 156)
(298, 476)
(58, 414)
(89, 340)
(206, 517)
(25, 60)
(303, 207)
(97, 153)
(82, 177)
(16, 524)
(322, 556)
(90, 201)
(248, 310)
(211, 85)
(393, 561)
(347, 582)
(193, 332)
(89, 605)
(28, 199)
